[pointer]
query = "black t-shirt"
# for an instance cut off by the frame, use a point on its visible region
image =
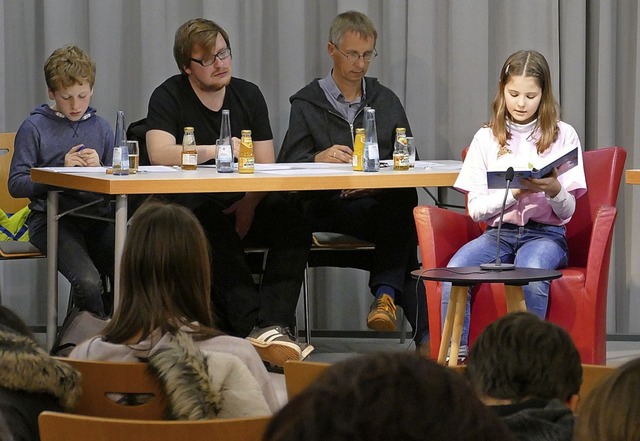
(174, 105)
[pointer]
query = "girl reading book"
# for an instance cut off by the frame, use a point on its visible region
(524, 129)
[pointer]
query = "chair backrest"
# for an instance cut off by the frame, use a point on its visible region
(592, 375)
(102, 380)
(340, 250)
(603, 171)
(55, 426)
(7, 202)
(298, 375)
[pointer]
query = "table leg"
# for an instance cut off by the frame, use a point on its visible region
(460, 292)
(52, 267)
(121, 234)
(447, 328)
(515, 298)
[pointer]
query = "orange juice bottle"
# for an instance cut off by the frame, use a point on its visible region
(246, 160)
(358, 150)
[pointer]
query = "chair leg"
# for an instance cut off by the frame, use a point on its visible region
(305, 300)
(403, 327)
(70, 302)
(515, 298)
(460, 294)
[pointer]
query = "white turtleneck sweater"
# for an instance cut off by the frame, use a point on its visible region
(484, 204)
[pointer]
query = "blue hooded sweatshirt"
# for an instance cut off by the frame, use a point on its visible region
(43, 140)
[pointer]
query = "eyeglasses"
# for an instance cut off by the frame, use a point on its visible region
(221, 55)
(354, 56)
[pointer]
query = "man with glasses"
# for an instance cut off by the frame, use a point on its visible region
(323, 119)
(232, 221)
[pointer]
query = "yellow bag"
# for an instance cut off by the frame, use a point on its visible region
(14, 226)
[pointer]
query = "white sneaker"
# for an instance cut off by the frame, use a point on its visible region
(462, 354)
(276, 345)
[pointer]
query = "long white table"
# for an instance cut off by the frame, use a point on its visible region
(172, 180)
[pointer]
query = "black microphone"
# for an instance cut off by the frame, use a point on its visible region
(498, 265)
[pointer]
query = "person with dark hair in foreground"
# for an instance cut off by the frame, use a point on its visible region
(30, 381)
(387, 396)
(528, 371)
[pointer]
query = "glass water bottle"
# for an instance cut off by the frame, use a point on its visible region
(371, 157)
(224, 154)
(120, 149)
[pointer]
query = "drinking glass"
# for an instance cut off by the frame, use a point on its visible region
(134, 156)
(411, 148)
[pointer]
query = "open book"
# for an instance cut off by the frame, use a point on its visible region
(561, 162)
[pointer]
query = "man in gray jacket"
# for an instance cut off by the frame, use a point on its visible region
(323, 118)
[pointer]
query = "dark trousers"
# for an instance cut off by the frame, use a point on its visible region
(238, 304)
(85, 251)
(386, 219)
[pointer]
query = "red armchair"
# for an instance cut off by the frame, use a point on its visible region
(578, 300)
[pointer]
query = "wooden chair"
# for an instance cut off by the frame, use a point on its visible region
(7, 202)
(100, 378)
(333, 250)
(12, 249)
(578, 300)
(16, 257)
(341, 251)
(55, 426)
(592, 375)
(298, 375)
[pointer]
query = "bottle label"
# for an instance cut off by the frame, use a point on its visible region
(225, 152)
(189, 159)
(224, 158)
(120, 160)
(371, 161)
(371, 151)
(117, 158)
(246, 164)
(400, 161)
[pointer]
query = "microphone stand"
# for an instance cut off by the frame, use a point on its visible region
(498, 265)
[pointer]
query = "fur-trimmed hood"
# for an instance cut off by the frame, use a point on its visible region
(204, 385)
(24, 366)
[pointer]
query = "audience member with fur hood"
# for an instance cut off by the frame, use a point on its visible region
(30, 380)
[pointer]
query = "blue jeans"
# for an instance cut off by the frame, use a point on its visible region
(532, 246)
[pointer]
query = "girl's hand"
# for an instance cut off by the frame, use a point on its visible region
(549, 185)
